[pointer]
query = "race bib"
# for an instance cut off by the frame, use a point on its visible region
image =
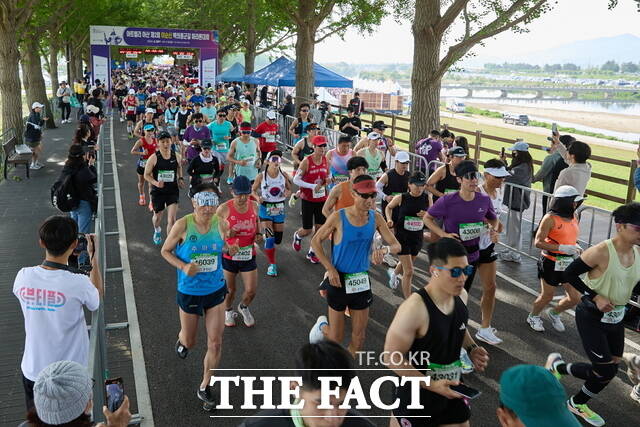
(245, 253)
(221, 146)
(413, 223)
(142, 163)
(562, 262)
(449, 190)
(131, 108)
(275, 209)
(166, 176)
(356, 282)
(206, 177)
(375, 174)
(338, 179)
(207, 263)
(449, 372)
(471, 230)
(270, 138)
(614, 316)
(320, 193)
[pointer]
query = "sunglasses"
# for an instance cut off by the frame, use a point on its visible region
(222, 115)
(458, 271)
(199, 121)
(322, 145)
(245, 132)
(275, 159)
(206, 148)
(304, 111)
(366, 195)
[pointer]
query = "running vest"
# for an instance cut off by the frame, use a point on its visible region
(246, 151)
(166, 170)
(244, 227)
(306, 150)
(154, 105)
(346, 197)
(272, 189)
(338, 167)
(617, 282)
(396, 183)
(485, 237)
(448, 184)
(150, 147)
(130, 104)
(316, 173)
(203, 250)
(181, 119)
(409, 224)
(562, 233)
(374, 161)
(351, 255)
(170, 115)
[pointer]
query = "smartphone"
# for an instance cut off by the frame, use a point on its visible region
(466, 391)
(115, 393)
(502, 152)
(554, 129)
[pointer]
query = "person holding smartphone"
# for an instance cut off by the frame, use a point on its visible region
(431, 328)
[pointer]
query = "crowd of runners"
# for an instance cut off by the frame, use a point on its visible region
(377, 210)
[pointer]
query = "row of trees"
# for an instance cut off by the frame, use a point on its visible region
(444, 31)
(609, 66)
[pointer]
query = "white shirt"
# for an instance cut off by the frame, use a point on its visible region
(54, 322)
(485, 238)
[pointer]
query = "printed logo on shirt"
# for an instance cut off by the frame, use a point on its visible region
(42, 299)
(463, 327)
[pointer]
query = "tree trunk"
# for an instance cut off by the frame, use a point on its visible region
(32, 66)
(305, 47)
(67, 55)
(10, 82)
(53, 66)
(251, 42)
(425, 83)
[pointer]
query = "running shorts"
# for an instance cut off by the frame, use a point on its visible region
(199, 304)
(410, 242)
(600, 340)
(546, 271)
(339, 300)
(440, 409)
(265, 214)
(161, 200)
(131, 117)
(488, 255)
(236, 267)
(172, 130)
(312, 213)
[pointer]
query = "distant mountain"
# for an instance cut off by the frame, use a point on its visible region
(595, 52)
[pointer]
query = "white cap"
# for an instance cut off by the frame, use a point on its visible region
(132, 92)
(154, 93)
(519, 146)
(568, 191)
(271, 115)
(198, 90)
(150, 110)
(373, 136)
(92, 109)
(181, 92)
(500, 172)
(36, 105)
(402, 156)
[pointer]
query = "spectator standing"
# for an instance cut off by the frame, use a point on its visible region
(516, 199)
(357, 104)
(80, 89)
(351, 125)
(33, 133)
(84, 179)
(264, 94)
(551, 166)
(52, 296)
(578, 173)
(288, 109)
(64, 101)
(431, 149)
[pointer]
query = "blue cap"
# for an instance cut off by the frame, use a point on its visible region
(149, 127)
(519, 146)
(536, 396)
(241, 185)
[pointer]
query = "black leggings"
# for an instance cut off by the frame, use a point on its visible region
(65, 107)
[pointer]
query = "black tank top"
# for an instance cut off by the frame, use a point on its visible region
(444, 338)
(409, 207)
(306, 150)
(164, 168)
(450, 182)
(182, 119)
(396, 183)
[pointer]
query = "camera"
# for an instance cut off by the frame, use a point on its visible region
(81, 253)
(367, 130)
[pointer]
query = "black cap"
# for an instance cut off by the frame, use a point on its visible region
(197, 104)
(379, 124)
(275, 153)
(164, 135)
(206, 143)
(465, 167)
(418, 178)
(456, 152)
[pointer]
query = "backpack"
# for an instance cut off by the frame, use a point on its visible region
(63, 195)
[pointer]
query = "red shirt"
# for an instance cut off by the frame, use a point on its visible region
(315, 174)
(243, 227)
(150, 146)
(267, 144)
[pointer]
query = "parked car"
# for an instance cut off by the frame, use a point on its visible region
(515, 119)
(456, 107)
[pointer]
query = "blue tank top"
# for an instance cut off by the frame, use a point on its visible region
(351, 255)
(204, 250)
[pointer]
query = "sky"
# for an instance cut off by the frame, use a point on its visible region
(569, 21)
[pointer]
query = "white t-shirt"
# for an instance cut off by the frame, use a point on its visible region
(485, 238)
(54, 320)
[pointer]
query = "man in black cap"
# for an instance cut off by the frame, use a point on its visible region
(357, 104)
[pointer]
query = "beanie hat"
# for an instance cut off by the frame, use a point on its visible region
(61, 392)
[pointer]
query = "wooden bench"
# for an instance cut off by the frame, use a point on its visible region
(11, 157)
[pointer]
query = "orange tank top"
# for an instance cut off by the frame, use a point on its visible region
(346, 198)
(562, 233)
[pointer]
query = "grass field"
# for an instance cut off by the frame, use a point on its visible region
(599, 185)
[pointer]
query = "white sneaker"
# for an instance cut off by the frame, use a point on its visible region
(390, 260)
(555, 319)
(121, 120)
(393, 278)
(35, 166)
(230, 318)
(488, 335)
(249, 321)
(467, 364)
(315, 334)
(633, 369)
(40, 165)
(535, 322)
(635, 393)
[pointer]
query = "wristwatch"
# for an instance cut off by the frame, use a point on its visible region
(471, 347)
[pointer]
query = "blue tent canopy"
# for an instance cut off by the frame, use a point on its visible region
(282, 72)
(235, 73)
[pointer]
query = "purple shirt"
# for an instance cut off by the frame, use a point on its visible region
(459, 216)
(429, 149)
(190, 134)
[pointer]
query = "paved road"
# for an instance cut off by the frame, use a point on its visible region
(286, 307)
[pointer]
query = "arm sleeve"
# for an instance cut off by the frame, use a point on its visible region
(379, 187)
(572, 275)
(300, 183)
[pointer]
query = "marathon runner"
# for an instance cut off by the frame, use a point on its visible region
(204, 168)
(347, 280)
(341, 195)
(146, 120)
(271, 188)
(221, 130)
(242, 214)
(130, 104)
(164, 173)
(118, 97)
(464, 215)
(412, 206)
(557, 237)
(209, 109)
(144, 147)
(430, 330)
(181, 117)
(170, 118)
(153, 104)
(141, 94)
(302, 149)
(443, 180)
(299, 126)
(244, 153)
(312, 178)
(194, 247)
(266, 133)
(373, 155)
(194, 135)
(612, 270)
(338, 159)
(494, 173)
(385, 144)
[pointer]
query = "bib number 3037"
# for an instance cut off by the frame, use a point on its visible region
(356, 282)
